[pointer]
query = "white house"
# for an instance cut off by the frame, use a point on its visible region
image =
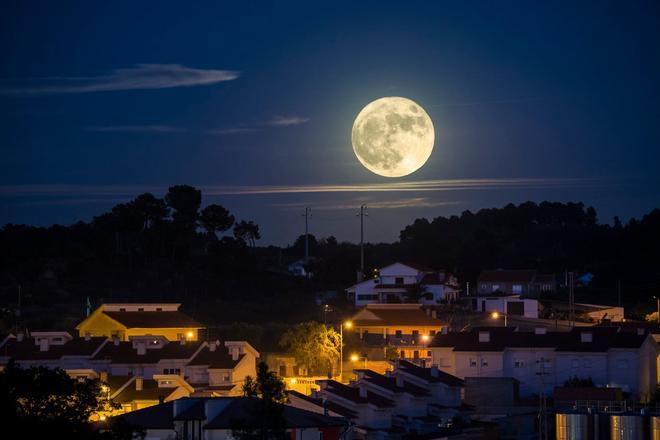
(409, 399)
(398, 281)
(512, 305)
(543, 360)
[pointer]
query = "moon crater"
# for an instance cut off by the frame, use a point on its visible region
(393, 136)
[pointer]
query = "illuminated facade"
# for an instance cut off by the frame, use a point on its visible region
(121, 321)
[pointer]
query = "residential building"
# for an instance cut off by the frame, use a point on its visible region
(217, 418)
(406, 401)
(398, 282)
(511, 305)
(123, 320)
(515, 282)
(541, 360)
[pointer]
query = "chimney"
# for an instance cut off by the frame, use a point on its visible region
(103, 376)
(138, 383)
(182, 340)
(540, 330)
(141, 349)
(445, 330)
(428, 312)
(434, 371)
(363, 392)
(234, 353)
(434, 314)
(484, 336)
(586, 337)
(212, 346)
(43, 344)
(88, 336)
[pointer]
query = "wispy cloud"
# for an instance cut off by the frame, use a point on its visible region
(286, 121)
(139, 77)
(135, 129)
(218, 190)
(232, 130)
(413, 202)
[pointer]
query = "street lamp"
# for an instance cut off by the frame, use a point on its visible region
(425, 338)
(348, 325)
(356, 357)
(496, 315)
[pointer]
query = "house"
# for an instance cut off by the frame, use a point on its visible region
(123, 320)
(398, 282)
(406, 401)
(406, 328)
(217, 418)
(542, 360)
(515, 282)
(511, 305)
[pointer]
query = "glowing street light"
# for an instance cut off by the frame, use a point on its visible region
(348, 325)
(356, 357)
(496, 315)
(190, 335)
(425, 338)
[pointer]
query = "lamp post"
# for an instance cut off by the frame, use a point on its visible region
(356, 357)
(497, 314)
(348, 325)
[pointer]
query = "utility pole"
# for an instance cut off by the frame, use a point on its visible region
(543, 406)
(307, 213)
(363, 212)
(571, 299)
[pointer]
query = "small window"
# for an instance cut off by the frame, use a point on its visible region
(140, 309)
(398, 333)
(473, 363)
(416, 354)
(225, 377)
(402, 355)
(415, 332)
(484, 362)
(398, 280)
(159, 309)
(122, 309)
(432, 333)
(518, 363)
(496, 287)
(517, 288)
(428, 353)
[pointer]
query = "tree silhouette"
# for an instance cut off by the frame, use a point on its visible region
(214, 219)
(248, 232)
(185, 200)
(151, 209)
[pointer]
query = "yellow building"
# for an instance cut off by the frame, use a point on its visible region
(122, 321)
(395, 320)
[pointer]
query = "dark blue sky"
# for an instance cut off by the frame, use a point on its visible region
(254, 103)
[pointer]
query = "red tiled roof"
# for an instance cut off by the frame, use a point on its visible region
(164, 319)
(26, 350)
(396, 316)
(389, 383)
(124, 353)
(353, 394)
(427, 374)
(603, 338)
(506, 276)
(220, 358)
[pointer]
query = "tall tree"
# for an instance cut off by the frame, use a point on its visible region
(150, 208)
(215, 218)
(266, 420)
(185, 200)
(247, 231)
(313, 345)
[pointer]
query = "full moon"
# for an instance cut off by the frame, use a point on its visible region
(393, 136)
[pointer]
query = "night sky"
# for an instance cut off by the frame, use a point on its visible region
(254, 103)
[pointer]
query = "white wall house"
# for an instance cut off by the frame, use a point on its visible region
(409, 398)
(512, 305)
(397, 281)
(544, 359)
